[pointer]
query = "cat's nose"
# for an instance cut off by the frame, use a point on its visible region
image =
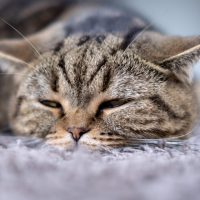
(77, 132)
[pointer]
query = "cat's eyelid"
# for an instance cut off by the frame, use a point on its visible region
(109, 109)
(50, 103)
(120, 100)
(113, 103)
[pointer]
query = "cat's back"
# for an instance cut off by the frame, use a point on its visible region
(103, 19)
(63, 19)
(98, 17)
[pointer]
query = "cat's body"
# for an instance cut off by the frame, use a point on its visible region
(100, 79)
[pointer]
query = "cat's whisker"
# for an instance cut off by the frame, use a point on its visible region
(23, 36)
(8, 57)
(166, 139)
(179, 137)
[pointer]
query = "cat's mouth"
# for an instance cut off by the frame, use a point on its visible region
(67, 142)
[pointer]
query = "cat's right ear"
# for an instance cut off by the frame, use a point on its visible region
(31, 47)
(10, 65)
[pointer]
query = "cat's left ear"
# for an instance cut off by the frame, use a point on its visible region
(177, 54)
(181, 64)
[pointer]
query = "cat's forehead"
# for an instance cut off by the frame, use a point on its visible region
(89, 50)
(87, 66)
(102, 41)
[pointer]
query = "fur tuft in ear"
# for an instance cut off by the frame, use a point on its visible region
(181, 64)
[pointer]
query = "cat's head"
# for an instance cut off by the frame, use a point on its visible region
(94, 91)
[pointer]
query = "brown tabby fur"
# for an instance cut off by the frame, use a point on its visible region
(112, 87)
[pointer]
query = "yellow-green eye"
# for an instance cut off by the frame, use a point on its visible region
(52, 104)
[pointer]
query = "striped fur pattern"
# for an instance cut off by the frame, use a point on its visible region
(105, 88)
(82, 76)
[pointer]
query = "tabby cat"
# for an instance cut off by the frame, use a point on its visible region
(97, 77)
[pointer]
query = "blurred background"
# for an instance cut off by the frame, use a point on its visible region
(178, 17)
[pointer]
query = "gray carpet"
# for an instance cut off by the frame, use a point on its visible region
(31, 171)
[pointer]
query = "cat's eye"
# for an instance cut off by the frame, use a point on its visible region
(51, 104)
(111, 104)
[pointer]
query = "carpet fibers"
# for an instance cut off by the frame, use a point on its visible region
(31, 171)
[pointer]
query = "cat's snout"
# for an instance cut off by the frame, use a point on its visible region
(77, 132)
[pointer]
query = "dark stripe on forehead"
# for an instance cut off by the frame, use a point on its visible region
(83, 40)
(61, 64)
(129, 37)
(99, 66)
(54, 84)
(58, 47)
(80, 68)
(106, 80)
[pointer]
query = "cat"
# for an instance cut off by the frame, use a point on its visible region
(98, 77)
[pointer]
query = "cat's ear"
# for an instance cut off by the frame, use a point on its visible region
(31, 47)
(177, 54)
(10, 65)
(181, 64)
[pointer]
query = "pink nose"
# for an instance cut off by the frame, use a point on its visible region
(77, 132)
